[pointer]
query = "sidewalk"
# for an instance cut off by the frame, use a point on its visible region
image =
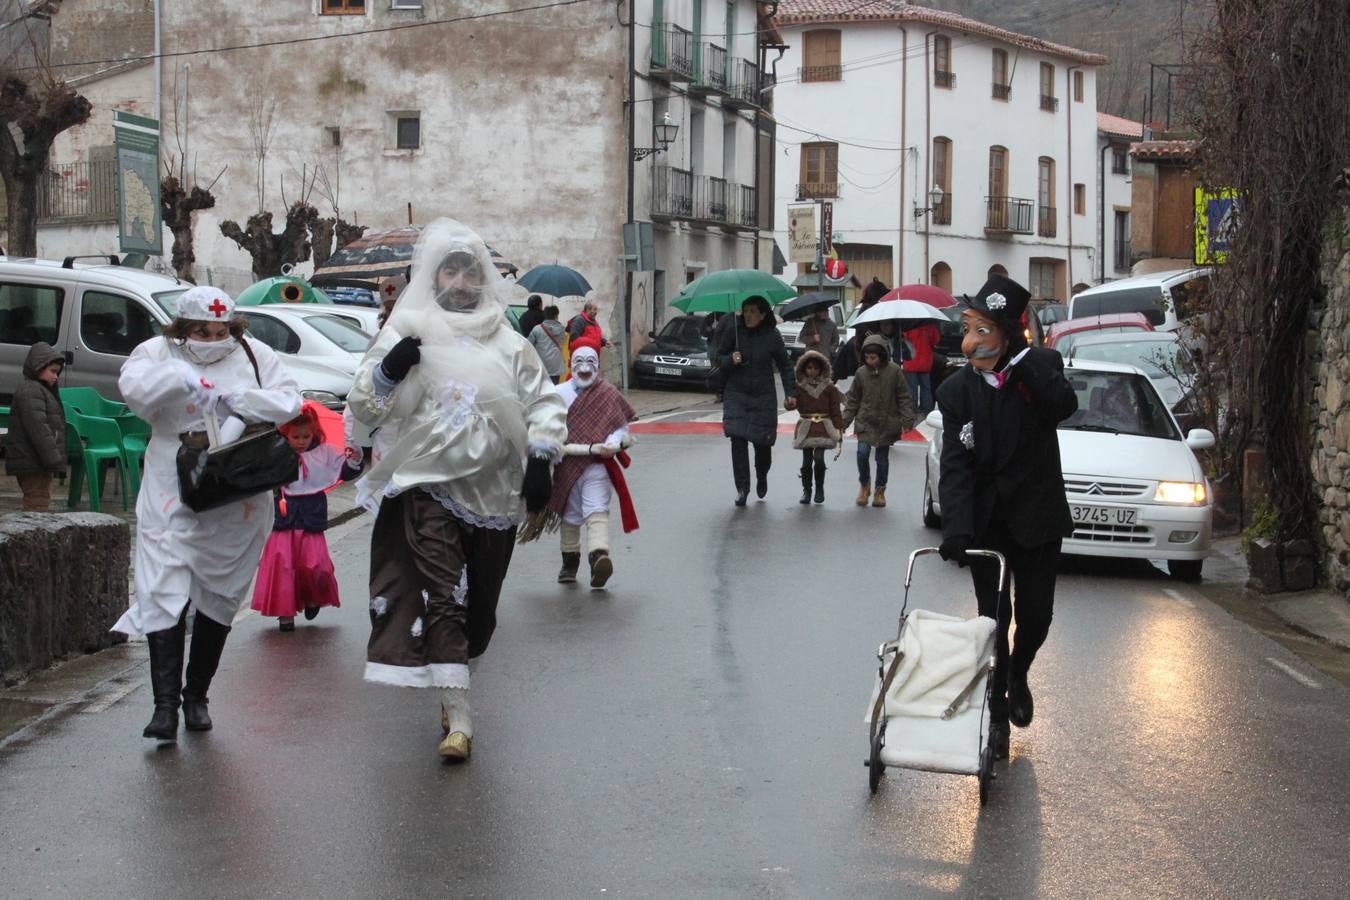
(1321, 613)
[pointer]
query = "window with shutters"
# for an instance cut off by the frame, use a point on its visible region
(942, 62)
(998, 171)
(820, 56)
(819, 171)
(343, 7)
(1045, 196)
(1080, 199)
(1077, 87)
(1049, 102)
(942, 177)
(1002, 89)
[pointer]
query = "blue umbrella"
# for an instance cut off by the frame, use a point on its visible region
(556, 281)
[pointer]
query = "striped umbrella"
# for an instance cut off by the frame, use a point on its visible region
(381, 254)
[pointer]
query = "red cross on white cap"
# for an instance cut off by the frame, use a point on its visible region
(205, 304)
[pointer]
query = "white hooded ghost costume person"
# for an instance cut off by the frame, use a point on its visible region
(467, 411)
(209, 557)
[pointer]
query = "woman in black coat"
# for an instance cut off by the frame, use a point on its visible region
(748, 354)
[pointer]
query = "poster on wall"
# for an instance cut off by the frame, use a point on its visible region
(1216, 215)
(138, 211)
(802, 234)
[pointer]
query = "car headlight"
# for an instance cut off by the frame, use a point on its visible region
(700, 363)
(324, 397)
(646, 357)
(1188, 492)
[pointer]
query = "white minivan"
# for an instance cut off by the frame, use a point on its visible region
(95, 315)
(1165, 298)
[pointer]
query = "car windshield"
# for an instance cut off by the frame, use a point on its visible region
(341, 332)
(1118, 403)
(684, 330)
(1156, 358)
(168, 301)
(1146, 300)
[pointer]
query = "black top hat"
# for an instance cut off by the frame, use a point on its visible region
(1002, 300)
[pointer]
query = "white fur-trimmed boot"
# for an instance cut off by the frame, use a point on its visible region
(456, 724)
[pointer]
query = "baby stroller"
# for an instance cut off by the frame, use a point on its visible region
(930, 706)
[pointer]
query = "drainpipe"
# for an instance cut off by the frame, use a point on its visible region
(927, 152)
(159, 113)
(1068, 96)
(625, 302)
(904, 122)
(1101, 217)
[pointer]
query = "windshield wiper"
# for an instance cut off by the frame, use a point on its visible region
(1102, 428)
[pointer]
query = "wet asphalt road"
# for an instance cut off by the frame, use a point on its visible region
(697, 731)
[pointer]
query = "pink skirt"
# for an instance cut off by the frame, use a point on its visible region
(295, 572)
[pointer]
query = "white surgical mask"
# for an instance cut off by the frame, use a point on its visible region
(208, 352)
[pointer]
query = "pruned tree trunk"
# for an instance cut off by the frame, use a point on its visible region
(346, 233)
(29, 123)
(273, 251)
(177, 207)
(321, 237)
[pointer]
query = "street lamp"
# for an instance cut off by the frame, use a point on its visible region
(664, 135)
(935, 198)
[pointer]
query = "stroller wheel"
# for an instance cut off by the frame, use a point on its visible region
(986, 774)
(875, 767)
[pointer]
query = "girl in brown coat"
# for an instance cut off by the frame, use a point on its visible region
(821, 426)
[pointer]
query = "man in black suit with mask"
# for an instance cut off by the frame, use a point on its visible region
(1001, 484)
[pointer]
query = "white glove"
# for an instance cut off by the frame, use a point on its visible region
(199, 395)
(231, 429)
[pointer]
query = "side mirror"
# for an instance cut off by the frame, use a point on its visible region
(934, 418)
(1200, 439)
(652, 335)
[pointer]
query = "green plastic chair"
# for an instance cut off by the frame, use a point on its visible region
(135, 438)
(91, 403)
(93, 441)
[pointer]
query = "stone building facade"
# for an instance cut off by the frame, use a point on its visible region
(1331, 406)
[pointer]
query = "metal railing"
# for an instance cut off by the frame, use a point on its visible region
(672, 192)
(710, 199)
(820, 73)
(1049, 104)
(1011, 214)
(712, 69)
(74, 193)
(673, 52)
(747, 213)
(1002, 91)
(818, 190)
(1045, 222)
(942, 213)
(944, 79)
(745, 86)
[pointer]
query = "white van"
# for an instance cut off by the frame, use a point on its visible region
(95, 315)
(1165, 298)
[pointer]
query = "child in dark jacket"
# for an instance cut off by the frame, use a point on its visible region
(879, 406)
(35, 445)
(296, 571)
(821, 426)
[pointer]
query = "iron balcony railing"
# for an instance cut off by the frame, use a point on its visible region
(710, 199)
(712, 70)
(818, 190)
(1002, 91)
(672, 53)
(944, 79)
(745, 86)
(747, 210)
(1049, 104)
(1010, 214)
(820, 73)
(672, 192)
(942, 213)
(1045, 222)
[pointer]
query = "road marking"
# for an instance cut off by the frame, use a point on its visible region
(108, 693)
(1176, 595)
(1294, 673)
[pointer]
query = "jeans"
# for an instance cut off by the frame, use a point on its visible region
(864, 463)
(740, 461)
(921, 391)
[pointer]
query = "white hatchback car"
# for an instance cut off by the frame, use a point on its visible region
(1134, 486)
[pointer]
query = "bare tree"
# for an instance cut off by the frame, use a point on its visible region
(271, 251)
(262, 123)
(180, 192)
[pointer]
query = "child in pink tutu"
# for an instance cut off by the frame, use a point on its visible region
(296, 572)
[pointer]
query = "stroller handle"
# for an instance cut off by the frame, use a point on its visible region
(991, 554)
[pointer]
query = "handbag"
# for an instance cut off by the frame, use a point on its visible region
(212, 474)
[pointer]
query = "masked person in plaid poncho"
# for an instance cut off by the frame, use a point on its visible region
(591, 471)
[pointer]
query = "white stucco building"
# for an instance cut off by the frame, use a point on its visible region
(877, 104)
(1114, 136)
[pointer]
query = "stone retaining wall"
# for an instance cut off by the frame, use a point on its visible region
(63, 582)
(1331, 410)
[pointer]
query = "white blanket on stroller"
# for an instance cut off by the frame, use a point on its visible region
(941, 656)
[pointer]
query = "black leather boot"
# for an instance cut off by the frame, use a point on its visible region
(570, 563)
(208, 640)
(166, 681)
(601, 567)
(820, 484)
(806, 485)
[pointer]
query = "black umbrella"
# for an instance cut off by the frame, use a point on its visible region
(803, 306)
(382, 254)
(556, 281)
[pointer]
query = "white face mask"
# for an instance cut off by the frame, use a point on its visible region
(585, 368)
(208, 352)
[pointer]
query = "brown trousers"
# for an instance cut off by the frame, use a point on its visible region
(37, 491)
(419, 552)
